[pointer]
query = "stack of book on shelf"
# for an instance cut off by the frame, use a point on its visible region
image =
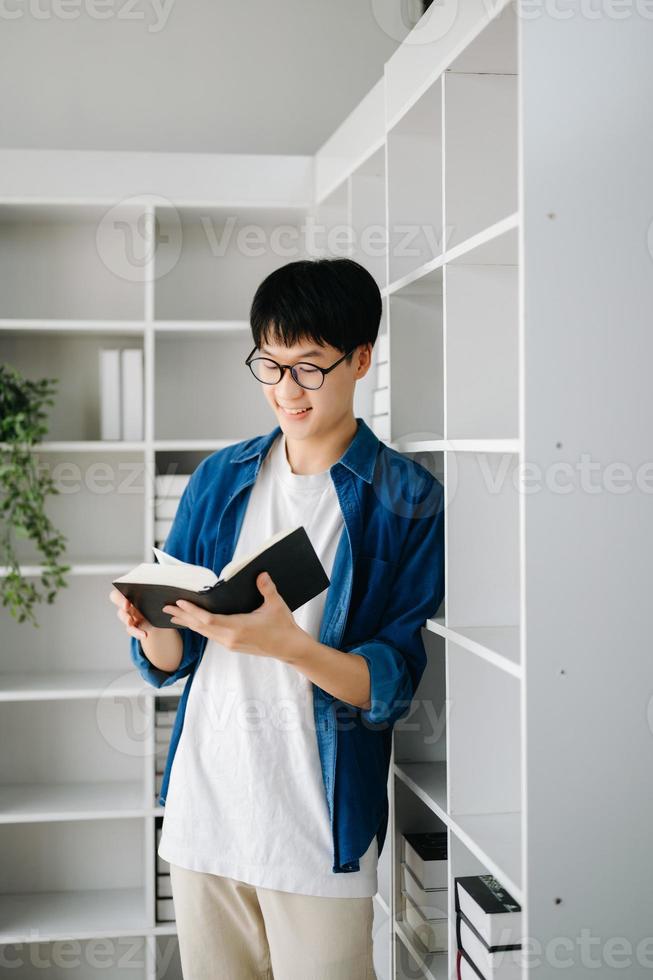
(424, 888)
(121, 393)
(488, 930)
(164, 717)
(165, 910)
(168, 491)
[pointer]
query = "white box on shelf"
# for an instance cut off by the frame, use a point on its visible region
(132, 393)
(110, 394)
(432, 902)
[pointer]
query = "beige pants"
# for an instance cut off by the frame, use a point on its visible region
(229, 930)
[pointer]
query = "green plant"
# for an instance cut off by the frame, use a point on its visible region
(23, 489)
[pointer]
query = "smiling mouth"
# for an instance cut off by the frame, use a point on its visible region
(292, 413)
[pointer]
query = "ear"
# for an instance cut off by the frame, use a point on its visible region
(364, 360)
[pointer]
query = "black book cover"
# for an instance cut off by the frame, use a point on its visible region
(488, 894)
(430, 846)
(292, 564)
(462, 955)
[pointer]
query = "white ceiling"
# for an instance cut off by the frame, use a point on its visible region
(188, 75)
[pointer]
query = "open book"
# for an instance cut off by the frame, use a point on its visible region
(288, 557)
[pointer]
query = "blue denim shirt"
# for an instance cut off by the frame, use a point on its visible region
(387, 579)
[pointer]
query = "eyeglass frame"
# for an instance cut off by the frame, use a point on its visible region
(283, 367)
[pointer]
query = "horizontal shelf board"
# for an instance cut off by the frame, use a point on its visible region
(427, 279)
(118, 446)
(68, 684)
(457, 445)
(46, 802)
(29, 917)
(81, 567)
(73, 326)
(200, 327)
(428, 780)
(499, 645)
(495, 839)
(496, 245)
(434, 965)
(180, 445)
(81, 446)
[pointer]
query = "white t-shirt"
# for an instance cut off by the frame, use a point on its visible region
(246, 798)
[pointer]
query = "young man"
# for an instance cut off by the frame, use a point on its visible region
(275, 787)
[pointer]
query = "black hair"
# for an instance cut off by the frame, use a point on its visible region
(332, 301)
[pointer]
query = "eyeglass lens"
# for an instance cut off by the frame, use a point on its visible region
(270, 373)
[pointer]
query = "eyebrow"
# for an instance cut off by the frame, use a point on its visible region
(306, 353)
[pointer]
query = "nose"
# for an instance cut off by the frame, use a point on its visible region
(288, 388)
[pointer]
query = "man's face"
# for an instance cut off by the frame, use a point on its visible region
(325, 407)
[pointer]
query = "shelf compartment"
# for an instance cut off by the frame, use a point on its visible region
(367, 215)
(421, 735)
(210, 260)
(48, 751)
(482, 539)
(495, 839)
(414, 158)
(71, 880)
(481, 316)
(416, 364)
(74, 360)
(213, 389)
(71, 263)
(480, 127)
(484, 736)
(428, 781)
(89, 489)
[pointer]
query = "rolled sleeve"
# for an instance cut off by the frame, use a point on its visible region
(180, 544)
(396, 656)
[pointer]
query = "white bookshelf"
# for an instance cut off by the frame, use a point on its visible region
(469, 146)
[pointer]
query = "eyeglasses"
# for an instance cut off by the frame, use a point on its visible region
(306, 375)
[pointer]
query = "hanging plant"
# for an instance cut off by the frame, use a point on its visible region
(23, 489)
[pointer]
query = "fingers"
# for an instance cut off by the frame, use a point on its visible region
(128, 615)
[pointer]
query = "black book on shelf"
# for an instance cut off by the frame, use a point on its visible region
(288, 557)
(490, 963)
(491, 910)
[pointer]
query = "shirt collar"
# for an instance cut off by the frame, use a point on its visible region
(359, 457)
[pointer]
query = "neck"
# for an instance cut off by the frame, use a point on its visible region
(316, 455)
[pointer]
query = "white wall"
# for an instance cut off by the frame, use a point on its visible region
(188, 75)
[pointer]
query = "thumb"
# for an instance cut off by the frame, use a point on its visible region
(265, 584)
